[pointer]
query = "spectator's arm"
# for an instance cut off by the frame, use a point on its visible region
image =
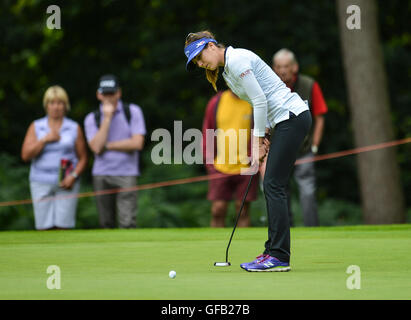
(319, 108)
(97, 144)
(136, 142)
(318, 129)
(138, 131)
(32, 146)
(81, 151)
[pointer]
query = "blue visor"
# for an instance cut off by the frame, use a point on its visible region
(193, 49)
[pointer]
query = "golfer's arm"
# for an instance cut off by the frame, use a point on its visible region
(98, 143)
(136, 142)
(259, 102)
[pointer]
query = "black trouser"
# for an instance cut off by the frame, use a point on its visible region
(285, 144)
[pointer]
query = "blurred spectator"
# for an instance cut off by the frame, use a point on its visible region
(227, 112)
(115, 133)
(56, 147)
(286, 67)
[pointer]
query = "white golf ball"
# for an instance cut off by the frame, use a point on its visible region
(172, 274)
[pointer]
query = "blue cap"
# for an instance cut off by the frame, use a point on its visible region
(193, 49)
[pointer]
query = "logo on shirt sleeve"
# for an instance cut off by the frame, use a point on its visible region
(242, 75)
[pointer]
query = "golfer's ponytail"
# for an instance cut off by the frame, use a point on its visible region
(211, 75)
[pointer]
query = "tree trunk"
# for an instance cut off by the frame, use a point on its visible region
(379, 174)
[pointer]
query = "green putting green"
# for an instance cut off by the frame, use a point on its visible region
(134, 264)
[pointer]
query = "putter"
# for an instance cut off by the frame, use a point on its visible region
(226, 263)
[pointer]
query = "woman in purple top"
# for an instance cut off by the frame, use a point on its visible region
(51, 143)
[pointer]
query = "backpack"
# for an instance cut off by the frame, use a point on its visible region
(126, 109)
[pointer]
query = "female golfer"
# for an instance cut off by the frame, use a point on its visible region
(274, 105)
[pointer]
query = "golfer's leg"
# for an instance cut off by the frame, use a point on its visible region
(275, 184)
(285, 143)
(105, 202)
(290, 213)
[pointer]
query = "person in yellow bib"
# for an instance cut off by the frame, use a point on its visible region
(232, 120)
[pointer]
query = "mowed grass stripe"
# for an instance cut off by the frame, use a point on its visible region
(134, 264)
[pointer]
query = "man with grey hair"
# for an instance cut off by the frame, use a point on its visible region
(286, 67)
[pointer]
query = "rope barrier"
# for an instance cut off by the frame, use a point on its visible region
(206, 177)
(355, 151)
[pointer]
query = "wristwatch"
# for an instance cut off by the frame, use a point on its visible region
(74, 174)
(314, 149)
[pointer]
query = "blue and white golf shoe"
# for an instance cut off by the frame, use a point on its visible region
(266, 263)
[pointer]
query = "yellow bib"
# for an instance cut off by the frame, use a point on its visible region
(233, 133)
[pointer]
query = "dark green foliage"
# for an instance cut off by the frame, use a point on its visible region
(14, 186)
(142, 42)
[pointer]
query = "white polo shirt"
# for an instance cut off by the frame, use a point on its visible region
(251, 79)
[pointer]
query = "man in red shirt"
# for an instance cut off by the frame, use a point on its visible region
(286, 67)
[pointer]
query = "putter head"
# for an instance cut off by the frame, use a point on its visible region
(222, 264)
